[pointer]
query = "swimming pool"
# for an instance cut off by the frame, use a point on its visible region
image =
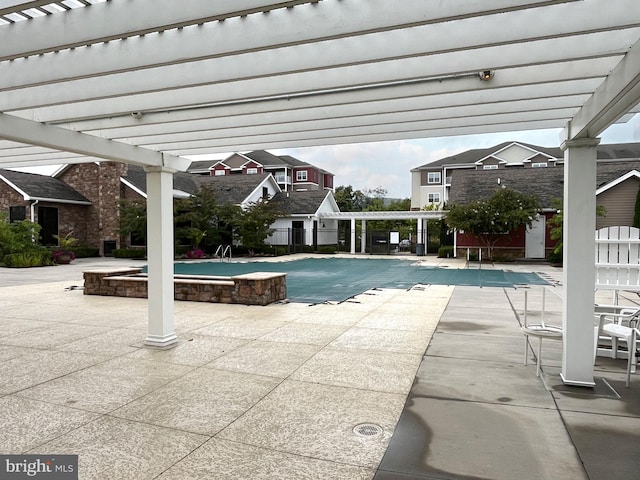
(316, 280)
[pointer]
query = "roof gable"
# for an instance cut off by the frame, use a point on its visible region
(306, 202)
(33, 186)
(618, 181)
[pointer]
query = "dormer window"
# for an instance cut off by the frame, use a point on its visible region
(252, 171)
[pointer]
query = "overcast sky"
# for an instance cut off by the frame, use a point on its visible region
(388, 164)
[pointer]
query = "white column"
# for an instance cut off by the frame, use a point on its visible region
(353, 235)
(579, 265)
(363, 236)
(161, 329)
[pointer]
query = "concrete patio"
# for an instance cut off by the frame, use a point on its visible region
(275, 392)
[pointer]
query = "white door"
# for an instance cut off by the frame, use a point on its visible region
(534, 239)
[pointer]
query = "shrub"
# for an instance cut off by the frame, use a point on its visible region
(326, 249)
(86, 252)
(280, 250)
(445, 251)
(555, 257)
(129, 253)
(30, 258)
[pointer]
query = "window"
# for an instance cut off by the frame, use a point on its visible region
(252, 171)
(490, 167)
(539, 165)
(433, 177)
(301, 176)
(433, 198)
(219, 173)
(17, 213)
(265, 193)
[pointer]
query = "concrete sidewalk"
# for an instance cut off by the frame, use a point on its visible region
(476, 412)
(294, 391)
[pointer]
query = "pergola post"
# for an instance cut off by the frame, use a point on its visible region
(161, 328)
(363, 237)
(578, 255)
(353, 236)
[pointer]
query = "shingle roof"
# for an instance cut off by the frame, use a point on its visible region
(185, 182)
(43, 187)
(268, 159)
(544, 183)
(605, 151)
(233, 189)
(619, 151)
(300, 202)
(201, 165)
(472, 156)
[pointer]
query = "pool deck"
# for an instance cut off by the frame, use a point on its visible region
(275, 392)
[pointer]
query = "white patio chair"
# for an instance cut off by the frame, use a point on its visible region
(619, 323)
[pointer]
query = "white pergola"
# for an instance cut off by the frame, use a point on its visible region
(149, 81)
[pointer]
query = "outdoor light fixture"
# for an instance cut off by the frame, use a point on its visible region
(486, 75)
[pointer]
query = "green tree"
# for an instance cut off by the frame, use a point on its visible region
(556, 223)
(636, 211)
(253, 225)
(202, 221)
(501, 214)
(133, 218)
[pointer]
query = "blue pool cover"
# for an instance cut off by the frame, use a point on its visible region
(316, 280)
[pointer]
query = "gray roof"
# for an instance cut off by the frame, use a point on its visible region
(202, 165)
(544, 183)
(472, 156)
(300, 202)
(185, 182)
(233, 189)
(44, 187)
(606, 151)
(270, 160)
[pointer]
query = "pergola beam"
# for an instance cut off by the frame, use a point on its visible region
(290, 68)
(617, 95)
(116, 20)
(34, 133)
(383, 123)
(281, 28)
(368, 138)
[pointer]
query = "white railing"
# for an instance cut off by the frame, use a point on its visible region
(618, 259)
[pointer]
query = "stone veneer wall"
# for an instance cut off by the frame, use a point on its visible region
(259, 288)
(100, 183)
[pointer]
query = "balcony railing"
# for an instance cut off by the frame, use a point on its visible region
(284, 179)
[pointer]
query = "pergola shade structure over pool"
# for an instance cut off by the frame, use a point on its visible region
(149, 81)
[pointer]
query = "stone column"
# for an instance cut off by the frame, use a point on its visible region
(579, 260)
(161, 330)
(363, 241)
